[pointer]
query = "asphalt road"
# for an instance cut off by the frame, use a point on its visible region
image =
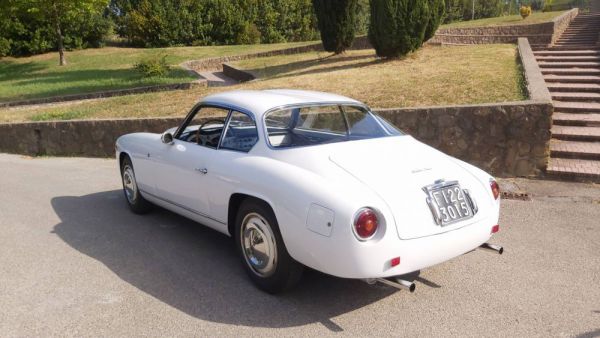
(75, 262)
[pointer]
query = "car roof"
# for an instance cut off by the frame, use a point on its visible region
(260, 101)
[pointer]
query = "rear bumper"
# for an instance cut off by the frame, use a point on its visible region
(373, 260)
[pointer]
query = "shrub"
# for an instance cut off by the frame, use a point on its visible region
(397, 26)
(525, 11)
(336, 20)
(250, 35)
(155, 65)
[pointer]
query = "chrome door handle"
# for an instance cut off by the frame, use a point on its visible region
(202, 170)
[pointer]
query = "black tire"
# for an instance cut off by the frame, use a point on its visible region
(280, 273)
(137, 203)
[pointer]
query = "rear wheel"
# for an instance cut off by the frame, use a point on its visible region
(137, 203)
(261, 249)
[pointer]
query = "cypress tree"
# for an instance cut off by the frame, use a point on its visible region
(398, 27)
(437, 9)
(336, 22)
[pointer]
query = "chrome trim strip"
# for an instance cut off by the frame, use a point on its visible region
(301, 105)
(183, 207)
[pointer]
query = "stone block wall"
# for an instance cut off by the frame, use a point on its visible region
(538, 34)
(508, 139)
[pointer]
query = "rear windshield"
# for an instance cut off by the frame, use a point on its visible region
(321, 124)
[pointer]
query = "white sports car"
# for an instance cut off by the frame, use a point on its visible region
(303, 178)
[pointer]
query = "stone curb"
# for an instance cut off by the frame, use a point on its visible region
(536, 85)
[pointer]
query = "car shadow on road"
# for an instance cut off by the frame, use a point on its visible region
(195, 269)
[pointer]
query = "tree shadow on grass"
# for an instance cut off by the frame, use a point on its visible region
(195, 269)
(11, 70)
(57, 83)
(327, 65)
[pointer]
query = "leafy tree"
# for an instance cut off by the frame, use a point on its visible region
(62, 14)
(23, 31)
(398, 27)
(437, 9)
(336, 20)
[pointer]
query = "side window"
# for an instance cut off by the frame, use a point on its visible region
(241, 133)
(205, 127)
(325, 118)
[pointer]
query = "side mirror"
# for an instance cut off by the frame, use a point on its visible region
(167, 138)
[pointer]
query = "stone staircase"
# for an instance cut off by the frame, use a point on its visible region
(571, 68)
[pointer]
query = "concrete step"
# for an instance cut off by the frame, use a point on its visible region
(568, 42)
(582, 79)
(570, 48)
(576, 107)
(576, 150)
(575, 96)
(217, 79)
(577, 169)
(570, 58)
(573, 87)
(549, 52)
(579, 35)
(584, 33)
(572, 133)
(576, 45)
(570, 71)
(547, 64)
(581, 120)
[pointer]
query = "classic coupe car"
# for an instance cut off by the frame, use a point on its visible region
(302, 178)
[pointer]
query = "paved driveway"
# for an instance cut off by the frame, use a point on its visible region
(74, 261)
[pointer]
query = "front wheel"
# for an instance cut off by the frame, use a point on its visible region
(261, 248)
(137, 203)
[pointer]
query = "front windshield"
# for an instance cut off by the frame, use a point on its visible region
(321, 124)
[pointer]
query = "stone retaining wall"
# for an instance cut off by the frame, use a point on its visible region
(237, 74)
(541, 33)
(509, 139)
(216, 63)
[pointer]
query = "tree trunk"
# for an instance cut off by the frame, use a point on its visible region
(61, 47)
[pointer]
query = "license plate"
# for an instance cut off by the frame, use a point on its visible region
(449, 203)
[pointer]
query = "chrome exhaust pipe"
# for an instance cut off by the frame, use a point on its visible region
(398, 284)
(492, 247)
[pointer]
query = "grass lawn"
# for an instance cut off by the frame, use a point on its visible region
(93, 70)
(434, 75)
(536, 17)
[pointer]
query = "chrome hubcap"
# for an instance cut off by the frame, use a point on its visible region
(258, 245)
(129, 184)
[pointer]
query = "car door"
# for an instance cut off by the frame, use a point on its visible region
(226, 165)
(182, 168)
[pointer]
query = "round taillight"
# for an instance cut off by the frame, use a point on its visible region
(365, 224)
(495, 189)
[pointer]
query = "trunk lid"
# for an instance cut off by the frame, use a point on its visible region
(400, 175)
